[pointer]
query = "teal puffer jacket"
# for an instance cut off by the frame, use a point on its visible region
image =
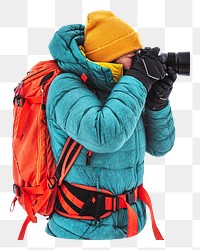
(113, 124)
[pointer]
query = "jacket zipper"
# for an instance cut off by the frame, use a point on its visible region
(137, 152)
(98, 179)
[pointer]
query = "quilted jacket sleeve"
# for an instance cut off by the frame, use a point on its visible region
(102, 128)
(160, 131)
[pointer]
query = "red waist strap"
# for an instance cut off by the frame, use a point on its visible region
(144, 196)
(90, 204)
(139, 193)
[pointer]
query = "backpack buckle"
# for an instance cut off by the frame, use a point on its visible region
(100, 205)
(18, 101)
(16, 190)
(52, 182)
(131, 196)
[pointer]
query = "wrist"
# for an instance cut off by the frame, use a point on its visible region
(156, 106)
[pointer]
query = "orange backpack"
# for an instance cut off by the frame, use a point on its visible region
(39, 184)
(34, 168)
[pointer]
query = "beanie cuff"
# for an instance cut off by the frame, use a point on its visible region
(122, 46)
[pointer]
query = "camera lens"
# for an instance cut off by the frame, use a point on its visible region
(183, 62)
(180, 62)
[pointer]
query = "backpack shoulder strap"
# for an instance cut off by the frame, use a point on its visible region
(68, 156)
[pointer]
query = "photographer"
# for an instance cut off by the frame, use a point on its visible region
(121, 112)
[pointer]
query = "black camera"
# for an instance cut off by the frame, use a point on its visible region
(180, 62)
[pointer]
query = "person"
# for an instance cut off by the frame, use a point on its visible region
(121, 112)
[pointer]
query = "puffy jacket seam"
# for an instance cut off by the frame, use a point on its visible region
(51, 118)
(99, 146)
(50, 230)
(171, 133)
(65, 229)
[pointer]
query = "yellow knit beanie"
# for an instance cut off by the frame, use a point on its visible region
(107, 37)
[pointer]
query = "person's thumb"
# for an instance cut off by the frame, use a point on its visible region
(155, 51)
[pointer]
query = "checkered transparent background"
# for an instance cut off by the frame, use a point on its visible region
(173, 181)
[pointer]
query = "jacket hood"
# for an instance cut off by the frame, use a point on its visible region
(64, 48)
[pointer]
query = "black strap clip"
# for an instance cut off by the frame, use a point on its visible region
(52, 182)
(16, 190)
(130, 197)
(18, 101)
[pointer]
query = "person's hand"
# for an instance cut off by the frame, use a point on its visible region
(157, 97)
(147, 68)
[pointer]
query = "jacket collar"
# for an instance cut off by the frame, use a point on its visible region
(65, 49)
(115, 68)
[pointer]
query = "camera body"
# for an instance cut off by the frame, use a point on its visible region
(180, 62)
